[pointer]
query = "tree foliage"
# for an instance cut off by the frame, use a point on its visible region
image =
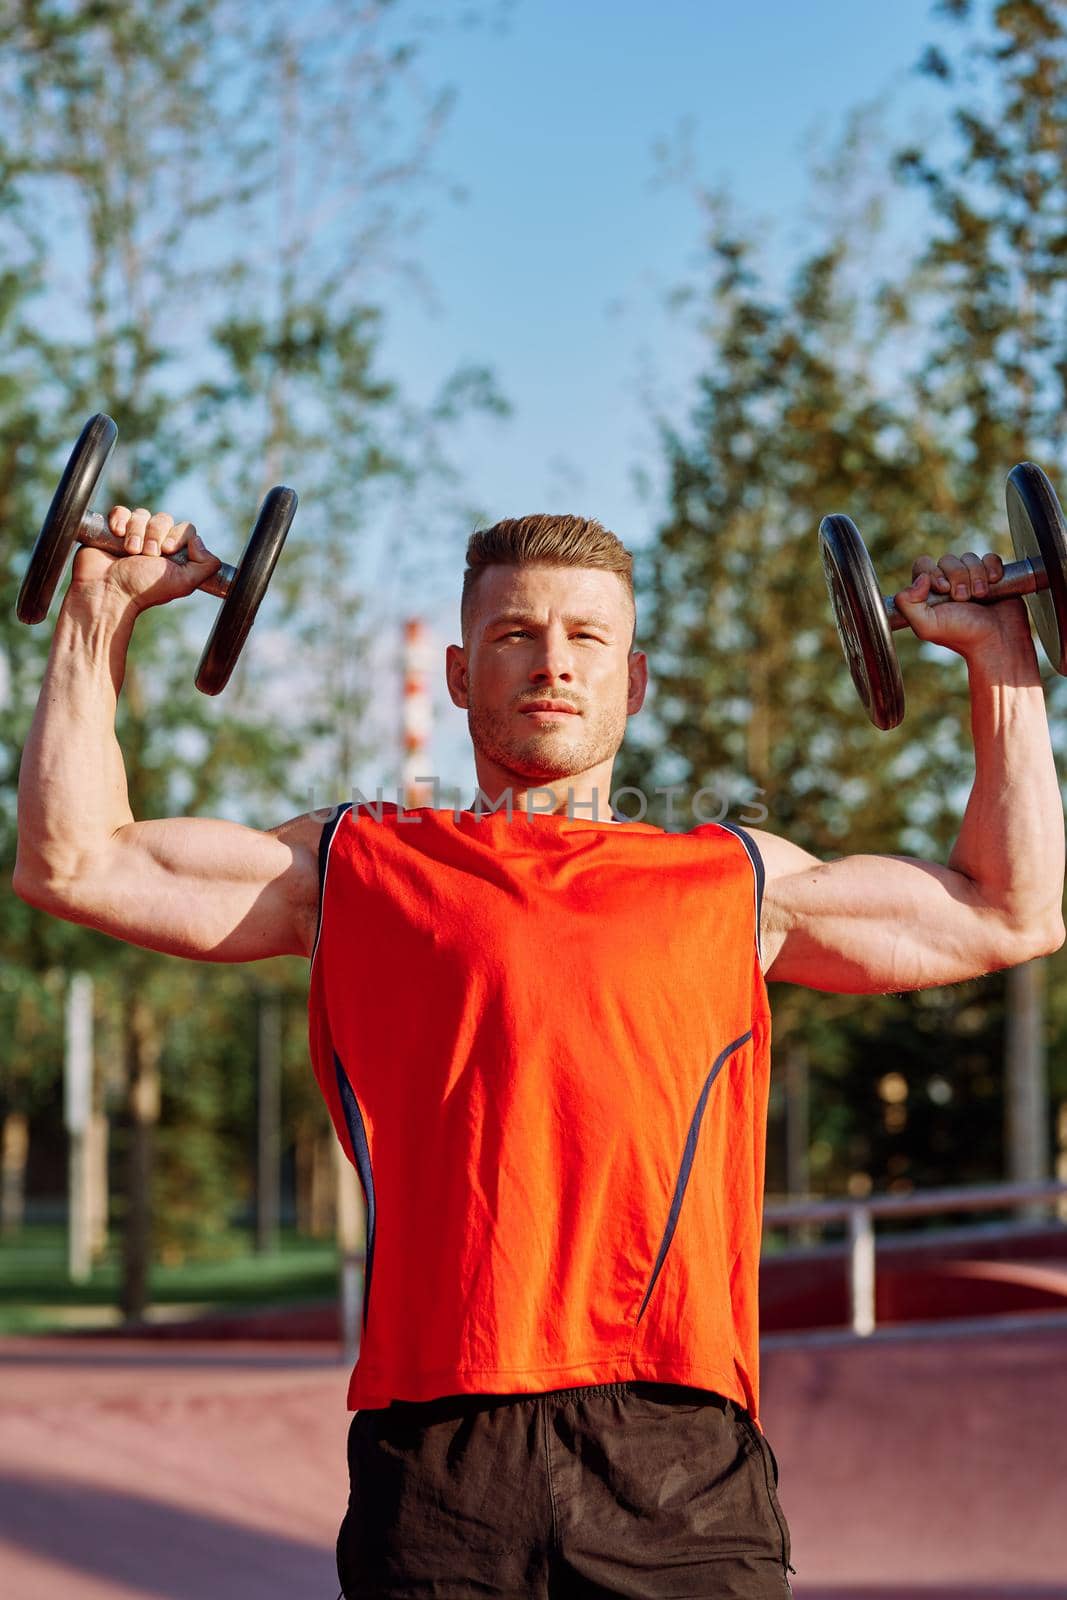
(799, 412)
(197, 198)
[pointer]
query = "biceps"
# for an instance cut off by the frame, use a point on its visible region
(879, 924)
(195, 887)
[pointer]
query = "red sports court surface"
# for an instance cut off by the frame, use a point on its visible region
(916, 1464)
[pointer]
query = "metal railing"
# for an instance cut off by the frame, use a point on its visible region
(860, 1215)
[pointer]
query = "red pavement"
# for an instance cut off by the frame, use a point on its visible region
(918, 1463)
(924, 1461)
(199, 1472)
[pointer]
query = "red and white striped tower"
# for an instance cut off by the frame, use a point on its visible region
(417, 712)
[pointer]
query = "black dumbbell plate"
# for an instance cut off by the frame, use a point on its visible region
(70, 503)
(1037, 529)
(862, 624)
(238, 610)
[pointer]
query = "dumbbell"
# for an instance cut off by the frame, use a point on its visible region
(70, 522)
(866, 619)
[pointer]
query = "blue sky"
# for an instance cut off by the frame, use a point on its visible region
(555, 268)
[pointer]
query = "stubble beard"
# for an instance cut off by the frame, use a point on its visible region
(551, 752)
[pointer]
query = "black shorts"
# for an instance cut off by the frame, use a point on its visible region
(640, 1489)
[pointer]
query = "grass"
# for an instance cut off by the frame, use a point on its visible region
(37, 1296)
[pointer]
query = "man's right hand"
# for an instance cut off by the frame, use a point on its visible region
(143, 575)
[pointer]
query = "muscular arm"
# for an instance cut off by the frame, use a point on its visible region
(208, 890)
(877, 924)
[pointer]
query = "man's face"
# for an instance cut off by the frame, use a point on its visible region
(548, 633)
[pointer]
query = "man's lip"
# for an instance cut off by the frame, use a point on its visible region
(549, 711)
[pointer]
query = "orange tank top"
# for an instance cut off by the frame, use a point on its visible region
(545, 1044)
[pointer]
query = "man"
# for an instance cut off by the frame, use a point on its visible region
(544, 1039)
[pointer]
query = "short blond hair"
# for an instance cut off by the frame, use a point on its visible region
(544, 540)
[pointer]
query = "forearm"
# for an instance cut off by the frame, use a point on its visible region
(72, 781)
(1011, 843)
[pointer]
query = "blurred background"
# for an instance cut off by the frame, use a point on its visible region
(701, 271)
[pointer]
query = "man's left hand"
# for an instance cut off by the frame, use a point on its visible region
(968, 629)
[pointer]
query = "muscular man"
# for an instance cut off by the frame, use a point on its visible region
(543, 1035)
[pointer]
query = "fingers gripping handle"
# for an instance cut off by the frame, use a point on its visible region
(70, 521)
(1020, 577)
(95, 532)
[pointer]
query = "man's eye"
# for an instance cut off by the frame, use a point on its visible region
(524, 633)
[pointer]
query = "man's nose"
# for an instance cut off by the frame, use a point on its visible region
(552, 658)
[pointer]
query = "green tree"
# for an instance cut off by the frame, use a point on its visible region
(992, 287)
(109, 107)
(33, 952)
(751, 696)
(234, 349)
(347, 133)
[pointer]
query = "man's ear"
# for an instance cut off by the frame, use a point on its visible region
(637, 681)
(456, 674)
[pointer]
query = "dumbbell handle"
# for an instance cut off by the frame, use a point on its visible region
(95, 532)
(1020, 577)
